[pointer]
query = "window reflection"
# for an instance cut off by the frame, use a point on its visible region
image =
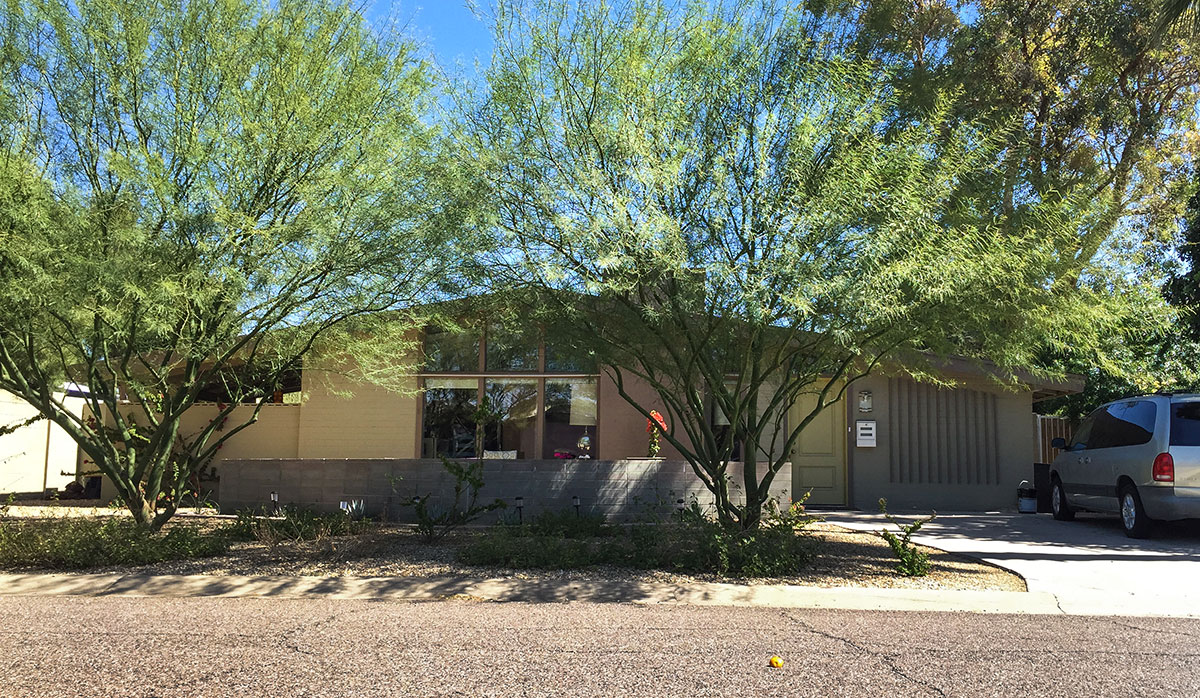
(509, 351)
(564, 358)
(449, 425)
(511, 426)
(451, 352)
(570, 417)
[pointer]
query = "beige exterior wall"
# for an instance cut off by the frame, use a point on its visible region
(277, 431)
(34, 457)
(370, 422)
(963, 449)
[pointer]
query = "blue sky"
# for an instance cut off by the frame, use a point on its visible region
(448, 27)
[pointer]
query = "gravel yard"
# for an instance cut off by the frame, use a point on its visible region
(845, 558)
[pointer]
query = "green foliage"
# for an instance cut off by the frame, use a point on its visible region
(12, 497)
(195, 199)
(911, 560)
(568, 524)
(736, 207)
(435, 520)
(292, 524)
(692, 543)
(79, 542)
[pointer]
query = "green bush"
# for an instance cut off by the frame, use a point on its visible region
(75, 543)
(911, 560)
(292, 523)
(568, 524)
(692, 544)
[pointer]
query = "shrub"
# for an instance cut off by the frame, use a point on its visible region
(433, 521)
(568, 524)
(76, 542)
(911, 560)
(504, 548)
(294, 524)
(693, 543)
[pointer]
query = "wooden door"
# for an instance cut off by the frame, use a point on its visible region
(819, 458)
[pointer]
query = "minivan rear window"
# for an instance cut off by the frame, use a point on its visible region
(1185, 423)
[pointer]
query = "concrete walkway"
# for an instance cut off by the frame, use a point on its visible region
(1088, 565)
(506, 589)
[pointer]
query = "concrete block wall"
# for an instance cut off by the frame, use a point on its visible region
(621, 490)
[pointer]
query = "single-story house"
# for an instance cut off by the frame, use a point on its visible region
(563, 431)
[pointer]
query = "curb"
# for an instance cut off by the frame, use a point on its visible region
(413, 589)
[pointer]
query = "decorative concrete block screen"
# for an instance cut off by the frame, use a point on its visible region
(621, 490)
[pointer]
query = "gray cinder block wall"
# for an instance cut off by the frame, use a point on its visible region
(621, 490)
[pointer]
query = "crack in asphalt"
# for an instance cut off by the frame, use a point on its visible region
(288, 638)
(888, 660)
(1131, 626)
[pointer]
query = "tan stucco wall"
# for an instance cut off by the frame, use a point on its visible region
(275, 434)
(871, 472)
(34, 457)
(371, 423)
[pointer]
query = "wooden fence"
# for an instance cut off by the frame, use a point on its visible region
(1047, 428)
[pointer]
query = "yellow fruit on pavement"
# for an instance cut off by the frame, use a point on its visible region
(776, 661)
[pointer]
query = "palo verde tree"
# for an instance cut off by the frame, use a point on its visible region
(194, 196)
(722, 203)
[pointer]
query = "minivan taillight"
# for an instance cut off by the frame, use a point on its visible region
(1164, 468)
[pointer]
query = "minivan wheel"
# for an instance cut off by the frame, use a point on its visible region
(1133, 514)
(1058, 503)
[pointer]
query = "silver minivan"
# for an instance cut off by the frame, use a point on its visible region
(1138, 457)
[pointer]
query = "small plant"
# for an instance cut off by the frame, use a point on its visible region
(911, 560)
(7, 504)
(355, 509)
(654, 428)
(434, 522)
(292, 524)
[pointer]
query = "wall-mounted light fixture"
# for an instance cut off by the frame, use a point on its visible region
(865, 401)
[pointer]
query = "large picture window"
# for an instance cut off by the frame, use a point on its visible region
(512, 418)
(449, 424)
(570, 417)
(550, 414)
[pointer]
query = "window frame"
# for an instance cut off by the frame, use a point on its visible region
(481, 375)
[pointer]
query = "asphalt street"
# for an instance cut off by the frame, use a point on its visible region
(128, 646)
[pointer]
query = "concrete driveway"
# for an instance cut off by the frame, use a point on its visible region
(1089, 564)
